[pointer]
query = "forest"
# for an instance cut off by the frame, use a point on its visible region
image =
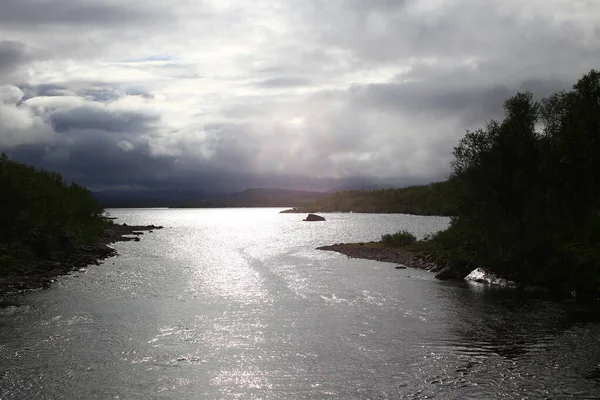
(526, 192)
(432, 199)
(42, 218)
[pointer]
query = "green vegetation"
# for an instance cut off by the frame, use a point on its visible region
(41, 217)
(432, 199)
(399, 239)
(527, 192)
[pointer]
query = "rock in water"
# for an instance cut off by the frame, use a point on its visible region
(313, 217)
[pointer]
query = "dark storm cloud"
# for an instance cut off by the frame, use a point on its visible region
(94, 160)
(100, 119)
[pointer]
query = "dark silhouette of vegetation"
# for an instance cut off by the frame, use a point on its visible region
(399, 239)
(432, 199)
(42, 217)
(527, 192)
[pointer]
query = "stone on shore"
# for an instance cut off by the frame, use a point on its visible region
(482, 276)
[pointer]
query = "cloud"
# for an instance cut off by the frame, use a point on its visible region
(284, 82)
(12, 55)
(222, 94)
(68, 12)
(19, 124)
(99, 118)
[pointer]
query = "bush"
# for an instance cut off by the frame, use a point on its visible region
(399, 239)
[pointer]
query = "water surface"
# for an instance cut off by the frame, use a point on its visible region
(238, 304)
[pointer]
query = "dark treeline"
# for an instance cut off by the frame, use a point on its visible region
(432, 199)
(527, 192)
(42, 217)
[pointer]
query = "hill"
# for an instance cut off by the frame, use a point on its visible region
(433, 199)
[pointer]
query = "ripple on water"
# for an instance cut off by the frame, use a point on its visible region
(236, 304)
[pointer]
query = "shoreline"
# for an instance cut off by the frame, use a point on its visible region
(408, 259)
(42, 275)
(376, 252)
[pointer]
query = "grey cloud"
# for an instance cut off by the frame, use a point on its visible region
(284, 82)
(451, 65)
(98, 118)
(92, 91)
(69, 12)
(391, 31)
(44, 90)
(12, 55)
(102, 94)
(471, 93)
(138, 91)
(95, 162)
(475, 104)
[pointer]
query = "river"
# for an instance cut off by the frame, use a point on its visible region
(238, 304)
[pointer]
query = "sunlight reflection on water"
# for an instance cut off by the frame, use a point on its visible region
(238, 304)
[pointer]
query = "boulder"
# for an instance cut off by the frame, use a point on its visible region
(482, 276)
(313, 217)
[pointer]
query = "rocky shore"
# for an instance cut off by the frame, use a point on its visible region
(404, 258)
(375, 251)
(43, 274)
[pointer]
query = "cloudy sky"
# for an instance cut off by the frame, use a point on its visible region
(222, 94)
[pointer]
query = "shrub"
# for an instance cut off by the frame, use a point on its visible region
(398, 239)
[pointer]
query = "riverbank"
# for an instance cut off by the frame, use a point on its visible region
(405, 257)
(43, 274)
(378, 252)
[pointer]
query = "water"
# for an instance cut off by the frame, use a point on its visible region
(237, 304)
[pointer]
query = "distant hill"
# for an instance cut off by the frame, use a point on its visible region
(149, 198)
(256, 197)
(432, 199)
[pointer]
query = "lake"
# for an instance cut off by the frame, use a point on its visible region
(238, 304)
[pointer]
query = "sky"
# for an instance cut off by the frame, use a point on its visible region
(227, 94)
